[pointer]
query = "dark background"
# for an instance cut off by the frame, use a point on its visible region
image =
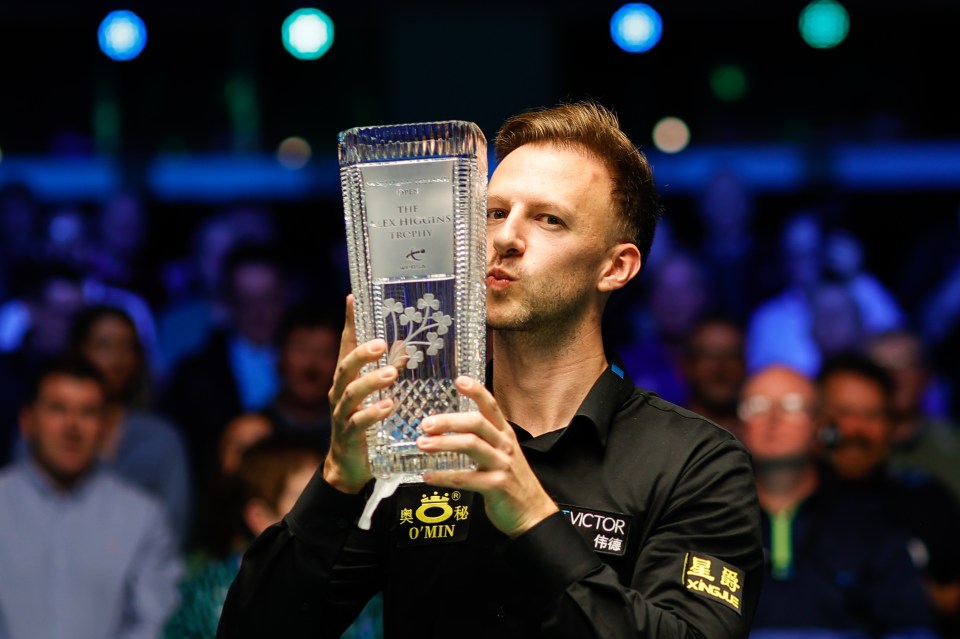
(214, 83)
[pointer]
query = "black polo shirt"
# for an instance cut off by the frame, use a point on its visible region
(659, 535)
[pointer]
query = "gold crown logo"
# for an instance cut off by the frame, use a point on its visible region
(435, 499)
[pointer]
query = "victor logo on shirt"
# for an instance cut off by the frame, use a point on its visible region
(431, 516)
(606, 533)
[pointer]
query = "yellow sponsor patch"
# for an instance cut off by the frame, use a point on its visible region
(709, 577)
(429, 516)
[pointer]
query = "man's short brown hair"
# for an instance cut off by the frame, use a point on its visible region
(596, 129)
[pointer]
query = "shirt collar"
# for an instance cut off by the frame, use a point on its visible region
(601, 404)
(46, 486)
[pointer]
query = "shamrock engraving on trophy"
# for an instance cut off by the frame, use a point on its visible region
(425, 322)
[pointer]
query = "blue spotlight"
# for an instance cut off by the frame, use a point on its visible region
(122, 35)
(636, 27)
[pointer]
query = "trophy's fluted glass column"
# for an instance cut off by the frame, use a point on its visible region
(414, 200)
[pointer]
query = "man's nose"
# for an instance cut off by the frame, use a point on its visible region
(507, 236)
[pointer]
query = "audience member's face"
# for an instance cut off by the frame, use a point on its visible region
(258, 301)
(52, 316)
(900, 355)
(678, 296)
(111, 346)
(802, 242)
(241, 434)
(295, 484)
(777, 410)
(836, 322)
(855, 405)
(307, 362)
(122, 226)
(715, 367)
(64, 426)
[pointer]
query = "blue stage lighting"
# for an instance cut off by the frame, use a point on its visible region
(122, 35)
(636, 27)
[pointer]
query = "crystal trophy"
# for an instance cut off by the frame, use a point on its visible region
(414, 198)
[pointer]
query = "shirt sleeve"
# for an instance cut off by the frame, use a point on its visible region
(308, 575)
(152, 585)
(713, 517)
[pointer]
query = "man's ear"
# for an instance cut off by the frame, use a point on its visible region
(622, 265)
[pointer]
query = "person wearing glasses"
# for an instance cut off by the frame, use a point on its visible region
(833, 567)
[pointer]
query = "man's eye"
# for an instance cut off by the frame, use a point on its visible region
(496, 214)
(552, 219)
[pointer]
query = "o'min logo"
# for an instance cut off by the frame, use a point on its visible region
(438, 505)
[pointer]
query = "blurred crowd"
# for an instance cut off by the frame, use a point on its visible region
(156, 415)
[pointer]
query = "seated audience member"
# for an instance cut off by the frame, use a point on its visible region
(679, 297)
(921, 441)
(836, 323)
(271, 475)
(192, 307)
(855, 396)
(235, 372)
(780, 329)
(714, 369)
(83, 553)
(834, 568)
(308, 344)
(139, 444)
(51, 294)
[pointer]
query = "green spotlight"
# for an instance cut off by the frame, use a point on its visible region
(824, 24)
(728, 83)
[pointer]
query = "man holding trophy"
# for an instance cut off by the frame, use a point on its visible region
(586, 507)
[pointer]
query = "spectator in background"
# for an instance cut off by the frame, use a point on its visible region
(120, 250)
(308, 343)
(836, 321)
(83, 553)
(921, 441)
(834, 567)
(729, 247)
(714, 369)
(138, 444)
(235, 372)
(678, 298)
(19, 215)
(271, 475)
(52, 294)
(939, 311)
(779, 330)
(68, 241)
(856, 396)
(193, 307)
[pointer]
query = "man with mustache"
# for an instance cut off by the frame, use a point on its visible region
(834, 567)
(596, 509)
(857, 395)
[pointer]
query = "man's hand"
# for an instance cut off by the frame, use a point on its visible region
(515, 501)
(346, 467)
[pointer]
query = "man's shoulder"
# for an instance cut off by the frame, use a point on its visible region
(123, 496)
(11, 479)
(655, 412)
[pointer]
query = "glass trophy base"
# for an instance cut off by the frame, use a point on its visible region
(406, 461)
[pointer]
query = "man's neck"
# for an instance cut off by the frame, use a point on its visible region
(540, 386)
(783, 488)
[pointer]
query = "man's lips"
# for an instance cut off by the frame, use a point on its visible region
(498, 278)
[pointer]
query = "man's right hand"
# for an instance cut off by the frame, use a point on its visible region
(346, 467)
